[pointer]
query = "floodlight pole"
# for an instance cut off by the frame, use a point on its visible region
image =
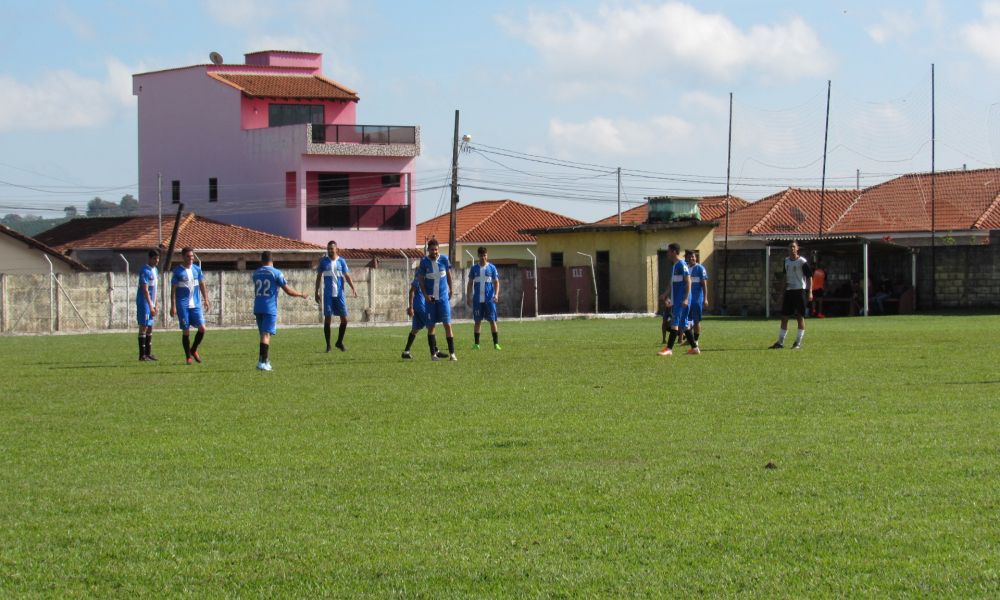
(933, 198)
(619, 195)
(826, 137)
(593, 275)
(725, 250)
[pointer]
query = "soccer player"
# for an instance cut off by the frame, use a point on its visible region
(434, 275)
(266, 282)
(798, 293)
(416, 307)
(679, 301)
(332, 272)
(145, 305)
(699, 291)
(185, 302)
(482, 294)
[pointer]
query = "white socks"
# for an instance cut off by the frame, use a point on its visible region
(798, 336)
(781, 335)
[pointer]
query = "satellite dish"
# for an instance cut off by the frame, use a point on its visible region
(798, 214)
(216, 58)
(466, 138)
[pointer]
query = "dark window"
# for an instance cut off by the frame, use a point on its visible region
(557, 259)
(334, 200)
(175, 191)
(389, 181)
(213, 189)
(294, 114)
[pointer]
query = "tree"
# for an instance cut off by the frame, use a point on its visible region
(102, 208)
(129, 205)
(70, 211)
(11, 218)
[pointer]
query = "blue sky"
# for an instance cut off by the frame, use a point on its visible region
(638, 85)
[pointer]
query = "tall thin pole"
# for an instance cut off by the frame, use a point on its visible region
(619, 195)
(454, 195)
(159, 207)
(933, 194)
(826, 137)
(725, 249)
(857, 180)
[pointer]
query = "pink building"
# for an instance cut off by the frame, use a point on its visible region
(273, 145)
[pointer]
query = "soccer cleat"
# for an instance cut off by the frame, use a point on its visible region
(475, 346)
(442, 354)
(821, 316)
(264, 366)
(189, 360)
(329, 348)
(434, 357)
(796, 346)
(406, 354)
(497, 347)
(452, 358)
(666, 352)
(151, 357)
(260, 366)
(777, 346)
(195, 356)
(143, 359)
(340, 346)
(694, 351)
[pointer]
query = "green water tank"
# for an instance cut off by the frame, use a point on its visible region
(663, 209)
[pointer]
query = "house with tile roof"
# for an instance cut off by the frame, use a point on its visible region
(711, 207)
(22, 254)
(788, 213)
(495, 224)
(273, 145)
(101, 242)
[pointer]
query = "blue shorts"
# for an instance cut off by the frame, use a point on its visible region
(419, 320)
(694, 311)
(267, 323)
(334, 306)
(679, 316)
(189, 317)
(143, 315)
(484, 311)
(438, 312)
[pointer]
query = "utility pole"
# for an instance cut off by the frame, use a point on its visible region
(933, 199)
(619, 195)
(454, 195)
(725, 250)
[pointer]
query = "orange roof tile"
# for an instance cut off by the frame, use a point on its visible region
(962, 200)
(491, 221)
(141, 232)
(313, 87)
(32, 242)
(780, 213)
(711, 207)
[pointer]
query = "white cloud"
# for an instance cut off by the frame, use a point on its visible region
(706, 102)
(605, 136)
(982, 37)
(893, 24)
(260, 15)
(242, 13)
(628, 44)
(64, 99)
(80, 25)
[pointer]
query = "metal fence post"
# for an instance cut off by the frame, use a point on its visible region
(222, 299)
(111, 301)
(58, 304)
(3, 302)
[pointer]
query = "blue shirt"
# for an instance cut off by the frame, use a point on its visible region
(266, 283)
(435, 276)
(333, 276)
(147, 275)
(419, 304)
(678, 289)
(698, 274)
(188, 290)
(482, 282)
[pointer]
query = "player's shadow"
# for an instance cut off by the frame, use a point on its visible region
(970, 383)
(60, 368)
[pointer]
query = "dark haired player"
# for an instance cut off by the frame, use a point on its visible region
(482, 294)
(434, 275)
(332, 272)
(798, 293)
(145, 305)
(266, 282)
(678, 302)
(185, 302)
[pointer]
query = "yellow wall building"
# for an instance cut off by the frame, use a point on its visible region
(637, 268)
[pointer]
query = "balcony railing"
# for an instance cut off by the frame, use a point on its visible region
(385, 217)
(364, 134)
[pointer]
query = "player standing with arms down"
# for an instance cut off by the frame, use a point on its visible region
(266, 282)
(482, 295)
(798, 293)
(185, 302)
(679, 302)
(699, 291)
(416, 307)
(145, 305)
(434, 275)
(332, 272)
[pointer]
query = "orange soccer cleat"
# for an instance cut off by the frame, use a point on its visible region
(666, 352)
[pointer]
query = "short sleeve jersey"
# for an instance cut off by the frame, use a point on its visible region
(797, 273)
(419, 305)
(188, 290)
(333, 276)
(266, 283)
(699, 274)
(147, 275)
(435, 274)
(482, 282)
(678, 289)
(819, 279)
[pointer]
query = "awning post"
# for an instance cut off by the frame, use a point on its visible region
(864, 253)
(767, 281)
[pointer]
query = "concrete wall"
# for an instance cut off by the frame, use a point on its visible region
(103, 301)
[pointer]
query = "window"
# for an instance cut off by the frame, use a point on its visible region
(294, 114)
(390, 181)
(556, 259)
(175, 191)
(213, 189)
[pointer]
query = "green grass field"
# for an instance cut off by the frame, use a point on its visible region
(575, 463)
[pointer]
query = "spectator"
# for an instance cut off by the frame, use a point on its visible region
(883, 291)
(819, 281)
